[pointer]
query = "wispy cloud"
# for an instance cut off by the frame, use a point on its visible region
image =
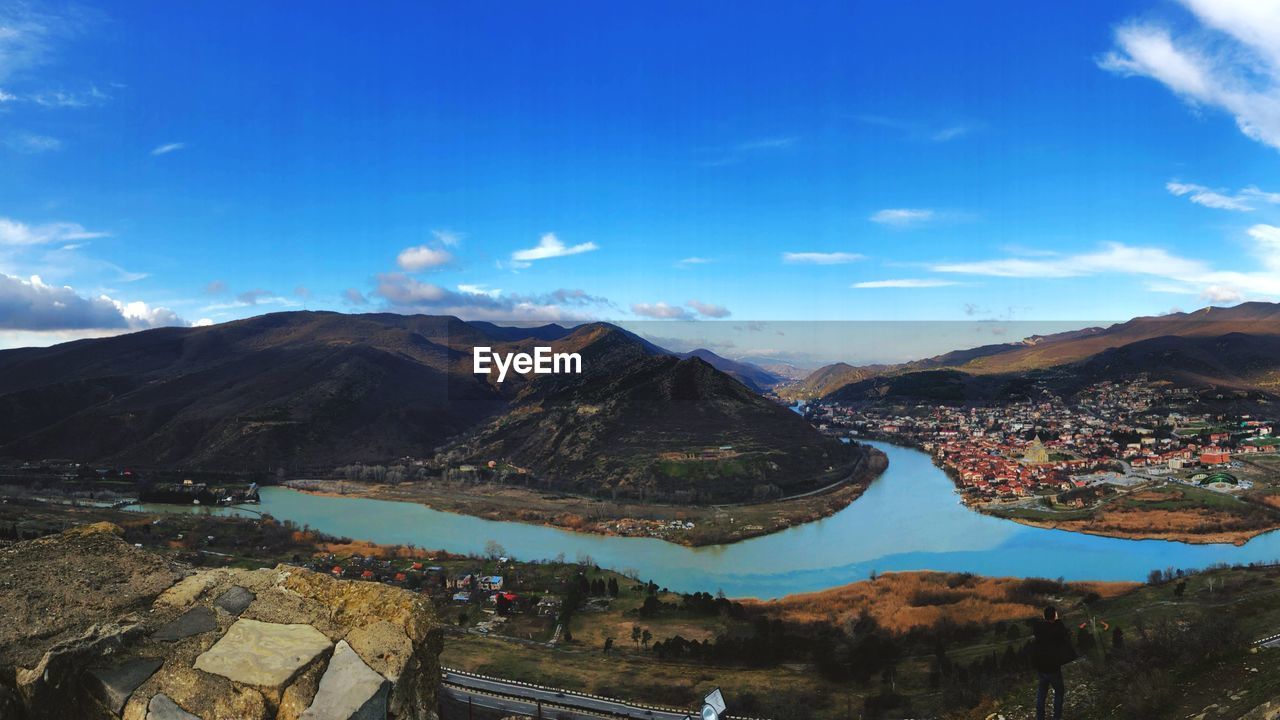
(740, 152)
(709, 310)
(168, 148)
(1245, 200)
(549, 246)
(905, 283)
(1166, 272)
(476, 302)
(691, 261)
(903, 217)
(448, 238)
(24, 39)
(920, 131)
(821, 258)
(479, 290)
(1230, 60)
(661, 311)
(32, 143)
(13, 232)
(352, 296)
(70, 99)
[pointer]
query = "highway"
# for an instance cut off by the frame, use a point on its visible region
(509, 696)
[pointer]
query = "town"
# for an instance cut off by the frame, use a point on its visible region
(1050, 451)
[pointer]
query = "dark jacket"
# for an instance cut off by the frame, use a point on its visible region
(1051, 648)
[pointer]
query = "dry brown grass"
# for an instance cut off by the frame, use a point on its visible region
(902, 601)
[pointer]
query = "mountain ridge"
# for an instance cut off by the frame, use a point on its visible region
(307, 389)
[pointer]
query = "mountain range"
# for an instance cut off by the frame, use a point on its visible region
(1235, 348)
(312, 390)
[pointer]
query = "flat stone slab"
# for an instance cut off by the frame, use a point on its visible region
(162, 707)
(235, 600)
(199, 619)
(349, 690)
(113, 685)
(263, 654)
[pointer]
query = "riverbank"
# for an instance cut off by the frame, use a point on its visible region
(1184, 527)
(687, 525)
(1172, 512)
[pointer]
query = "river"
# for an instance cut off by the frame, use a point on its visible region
(909, 519)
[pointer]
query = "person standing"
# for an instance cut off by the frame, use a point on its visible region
(1050, 650)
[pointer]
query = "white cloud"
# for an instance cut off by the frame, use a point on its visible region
(33, 305)
(708, 309)
(1267, 245)
(405, 294)
(661, 311)
(1245, 200)
(13, 232)
(31, 143)
(139, 315)
(904, 283)
(1221, 295)
(903, 217)
(24, 39)
(479, 290)
(691, 261)
(550, 246)
(1169, 272)
(168, 148)
(352, 296)
(947, 134)
(69, 99)
(734, 154)
(920, 131)
(423, 257)
(820, 258)
(1230, 61)
(773, 143)
(202, 322)
(447, 238)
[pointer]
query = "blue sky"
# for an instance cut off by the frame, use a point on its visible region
(529, 161)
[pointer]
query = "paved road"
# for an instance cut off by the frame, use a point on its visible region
(515, 697)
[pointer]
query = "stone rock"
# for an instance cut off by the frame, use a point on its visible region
(351, 604)
(263, 654)
(235, 600)
(195, 621)
(113, 685)
(77, 607)
(51, 688)
(187, 590)
(384, 646)
(162, 707)
(349, 690)
(300, 693)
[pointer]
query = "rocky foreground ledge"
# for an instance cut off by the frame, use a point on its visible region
(92, 627)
